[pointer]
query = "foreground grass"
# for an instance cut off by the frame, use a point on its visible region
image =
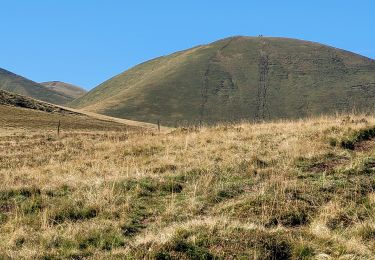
(269, 190)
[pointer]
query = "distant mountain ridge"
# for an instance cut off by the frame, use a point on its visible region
(66, 89)
(239, 78)
(17, 84)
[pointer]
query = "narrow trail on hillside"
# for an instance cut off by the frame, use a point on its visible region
(261, 108)
(206, 79)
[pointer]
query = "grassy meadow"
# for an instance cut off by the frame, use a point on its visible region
(280, 190)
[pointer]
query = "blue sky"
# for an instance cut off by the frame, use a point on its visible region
(85, 42)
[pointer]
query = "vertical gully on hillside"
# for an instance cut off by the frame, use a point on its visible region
(263, 65)
(206, 79)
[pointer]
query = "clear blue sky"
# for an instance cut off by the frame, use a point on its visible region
(85, 42)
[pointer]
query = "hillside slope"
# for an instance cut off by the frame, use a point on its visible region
(239, 78)
(20, 85)
(275, 190)
(18, 112)
(65, 89)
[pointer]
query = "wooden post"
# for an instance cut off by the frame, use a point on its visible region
(159, 125)
(58, 129)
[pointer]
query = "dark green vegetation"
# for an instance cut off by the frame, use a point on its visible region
(239, 78)
(357, 137)
(66, 89)
(15, 100)
(20, 85)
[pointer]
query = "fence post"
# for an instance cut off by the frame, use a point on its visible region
(58, 129)
(159, 125)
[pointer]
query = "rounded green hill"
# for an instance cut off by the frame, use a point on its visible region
(239, 78)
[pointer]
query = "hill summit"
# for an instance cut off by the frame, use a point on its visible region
(239, 78)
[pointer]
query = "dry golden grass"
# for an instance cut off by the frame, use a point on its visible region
(20, 112)
(268, 190)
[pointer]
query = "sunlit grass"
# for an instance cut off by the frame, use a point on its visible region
(267, 190)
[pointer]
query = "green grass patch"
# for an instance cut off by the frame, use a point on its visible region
(73, 213)
(101, 239)
(321, 163)
(19, 194)
(357, 137)
(147, 187)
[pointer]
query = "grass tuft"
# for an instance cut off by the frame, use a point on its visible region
(357, 137)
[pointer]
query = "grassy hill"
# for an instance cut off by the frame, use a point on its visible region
(66, 89)
(20, 85)
(279, 190)
(18, 113)
(251, 78)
